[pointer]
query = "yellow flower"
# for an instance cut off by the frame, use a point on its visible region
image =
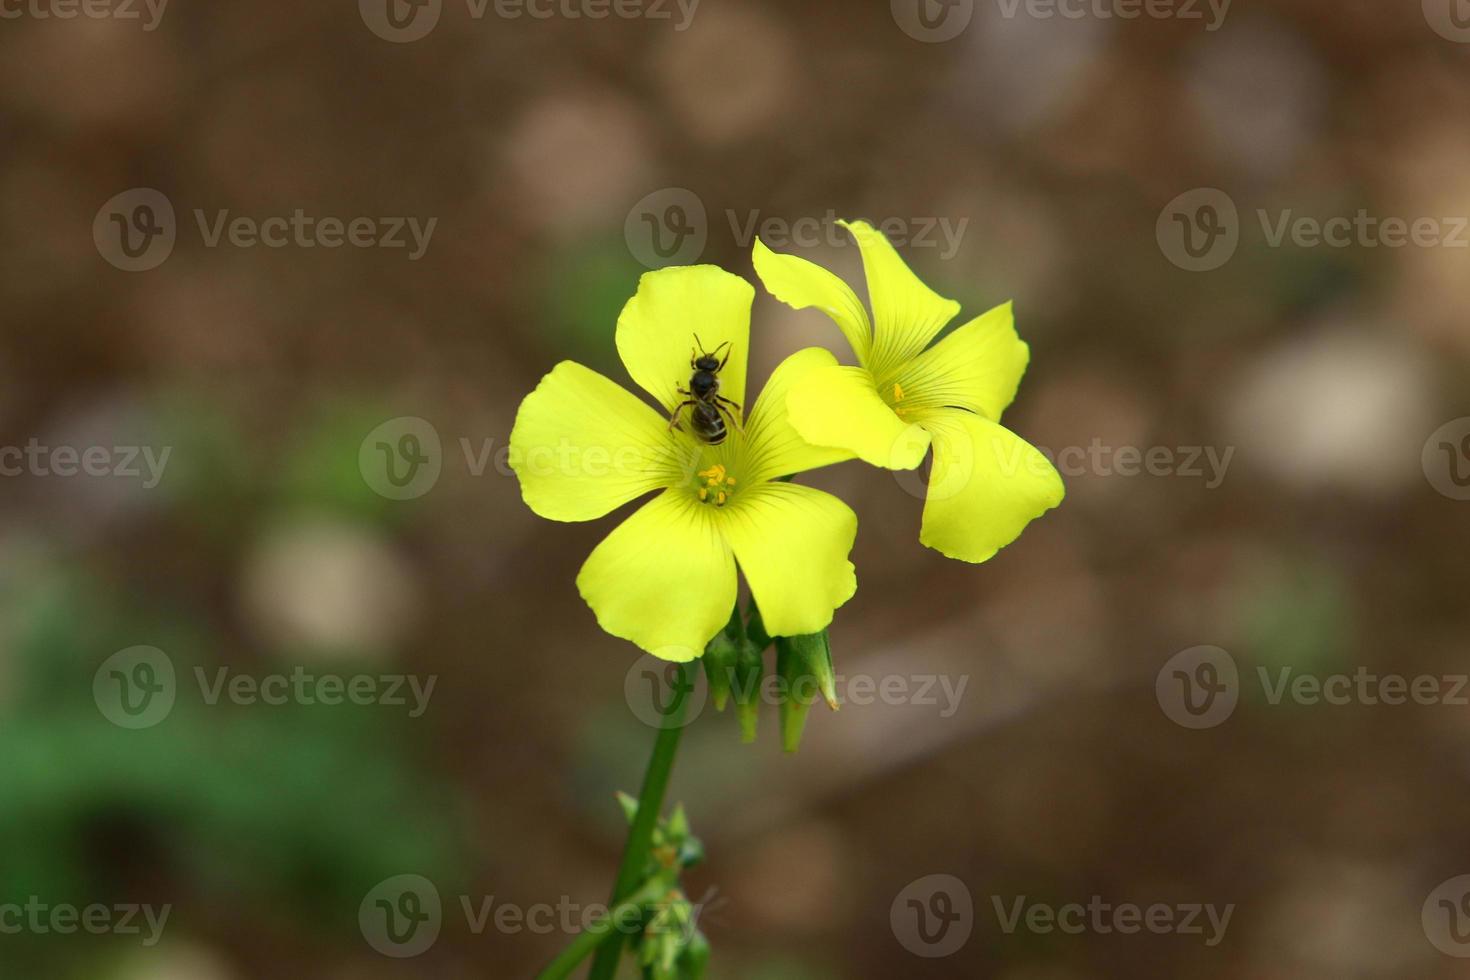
(986, 483)
(665, 578)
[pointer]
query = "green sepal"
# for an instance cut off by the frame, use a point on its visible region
(629, 805)
(804, 664)
(720, 657)
(694, 960)
(750, 672)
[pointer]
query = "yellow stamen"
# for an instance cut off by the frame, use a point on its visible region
(897, 392)
(703, 494)
(720, 497)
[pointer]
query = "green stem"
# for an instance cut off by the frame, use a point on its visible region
(650, 805)
(615, 924)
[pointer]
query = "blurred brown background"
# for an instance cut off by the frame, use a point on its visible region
(1054, 150)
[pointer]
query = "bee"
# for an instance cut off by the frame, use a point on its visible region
(708, 408)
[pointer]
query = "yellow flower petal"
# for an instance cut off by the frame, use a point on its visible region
(801, 284)
(773, 447)
(792, 543)
(986, 485)
(583, 445)
(664, 578)
(978, 366)
(838, 406)
(656, 330)
(906, 313)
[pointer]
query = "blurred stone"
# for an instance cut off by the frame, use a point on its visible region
(1340, 407)
(578, 161)
(732, 74)
(1024, 71)
(1341, 917)
(316, 585)
(1261, 93)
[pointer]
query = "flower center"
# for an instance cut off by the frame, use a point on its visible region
(897, 397)
(718, 485)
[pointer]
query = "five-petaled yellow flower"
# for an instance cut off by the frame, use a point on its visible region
(986, 483)
(665, 578)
